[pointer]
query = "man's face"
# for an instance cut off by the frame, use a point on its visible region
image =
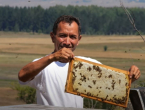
(67, 35)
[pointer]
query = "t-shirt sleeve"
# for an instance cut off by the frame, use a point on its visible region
(36, 81)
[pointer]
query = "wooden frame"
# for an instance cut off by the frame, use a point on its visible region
(69, 83)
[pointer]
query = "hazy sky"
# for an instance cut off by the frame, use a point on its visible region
(48, 3)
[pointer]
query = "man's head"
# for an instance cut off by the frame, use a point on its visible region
(67, 19)
(66, 33)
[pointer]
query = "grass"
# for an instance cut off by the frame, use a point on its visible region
(10, 65)
(6, 82)
(133, 47)
(18, 49)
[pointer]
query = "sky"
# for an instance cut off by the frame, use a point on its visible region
(48, 3)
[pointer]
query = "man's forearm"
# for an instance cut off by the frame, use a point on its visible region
(29, 71)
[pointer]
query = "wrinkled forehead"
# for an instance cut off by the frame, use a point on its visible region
(67, 25)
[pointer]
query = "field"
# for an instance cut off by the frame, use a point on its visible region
(18, 49)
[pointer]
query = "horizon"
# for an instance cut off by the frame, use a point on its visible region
(50, 3)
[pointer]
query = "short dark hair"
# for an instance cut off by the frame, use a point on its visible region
(67, 19)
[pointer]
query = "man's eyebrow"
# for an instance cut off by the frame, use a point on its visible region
(61, 33)
(73, 35)
(69, 34)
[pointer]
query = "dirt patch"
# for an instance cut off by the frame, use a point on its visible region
(32, 49)
(8, 96)
(110, 39)
(110, 54)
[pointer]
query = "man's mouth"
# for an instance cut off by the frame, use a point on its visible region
(65, 46)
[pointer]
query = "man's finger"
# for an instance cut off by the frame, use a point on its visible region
(66, 55)
(136, 72)
(71, 54)
(137, 75)
(131, 70)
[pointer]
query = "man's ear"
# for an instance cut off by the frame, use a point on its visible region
(79, 39)
(52, 37)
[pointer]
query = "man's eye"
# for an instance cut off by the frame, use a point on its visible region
(73, 37)
(62, 35)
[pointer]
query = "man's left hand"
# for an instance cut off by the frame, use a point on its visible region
(134, 73)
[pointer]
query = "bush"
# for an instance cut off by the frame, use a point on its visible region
(39, 31)
(105, 48)
(140, 84)
(137, 33)
(25, 93)
(90, 103)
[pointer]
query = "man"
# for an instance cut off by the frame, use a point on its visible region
(48, 74)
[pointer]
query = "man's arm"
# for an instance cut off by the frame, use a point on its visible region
(134, 73)
(29, 71)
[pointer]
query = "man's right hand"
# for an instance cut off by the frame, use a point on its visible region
(63, 55)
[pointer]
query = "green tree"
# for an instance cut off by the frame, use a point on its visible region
(16, 27)
(94, 19)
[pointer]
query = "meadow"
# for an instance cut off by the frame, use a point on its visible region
(18, 49)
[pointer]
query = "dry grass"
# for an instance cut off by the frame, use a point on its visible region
(9, 97)
(110, 39)
(21, 35)
(42, 44)
(18, 49)
(45, 39)
(109, 54)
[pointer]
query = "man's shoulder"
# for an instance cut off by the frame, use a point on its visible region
(89, 59)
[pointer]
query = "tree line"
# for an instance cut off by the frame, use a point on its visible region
(94, 20)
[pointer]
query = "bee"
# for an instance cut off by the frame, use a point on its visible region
(94, 81)
(79, 83)
(89, 86)
(106, 97)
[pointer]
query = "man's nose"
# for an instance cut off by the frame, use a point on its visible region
(67, 41)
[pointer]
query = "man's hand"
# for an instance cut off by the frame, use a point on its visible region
(63, 55)
(134, 73)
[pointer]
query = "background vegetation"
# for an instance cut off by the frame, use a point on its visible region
(95, 20)
(18, 49)
(25, 93)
